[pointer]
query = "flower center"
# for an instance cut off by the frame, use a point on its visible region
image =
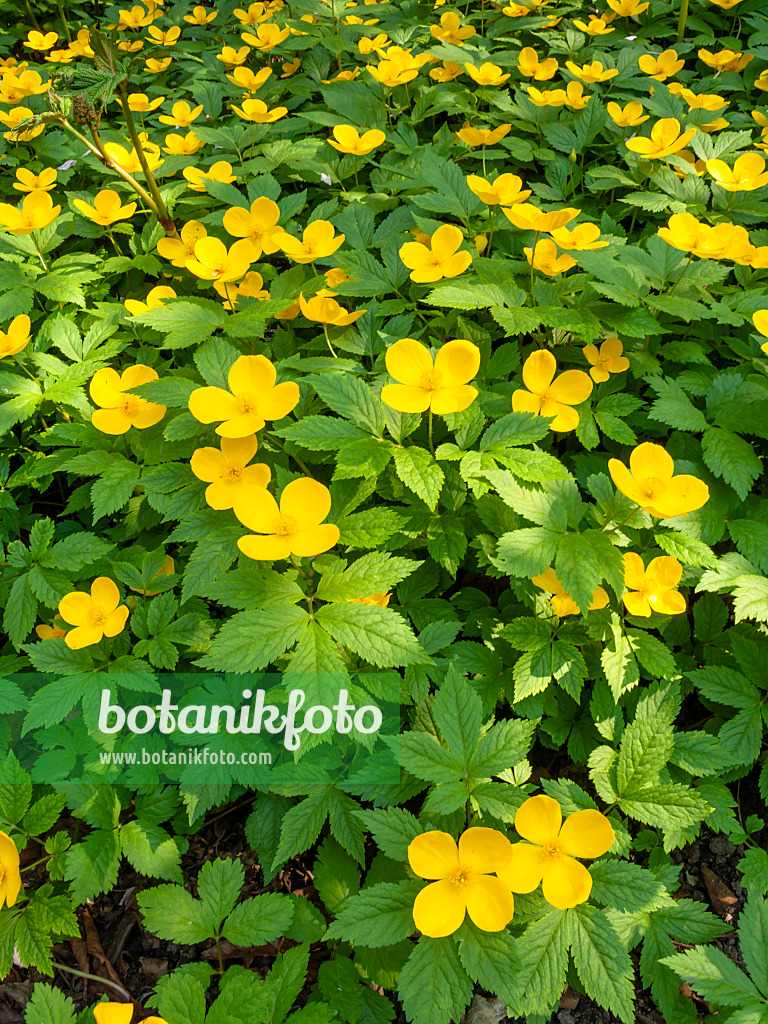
(553, 848)
(654, 486)
(604, 362)
(98, 616)
(285, 526)
(248, 403)
(431, 381)
(547, 395)
(233, 471)
(131, 404)
(462, 877)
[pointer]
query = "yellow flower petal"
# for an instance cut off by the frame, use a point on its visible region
(208, 464)
(408, 361)
(572, 387)
(105, 594)
(251, 373)
(111, 421)
(483, 849)
(566, 883)
(264, 549)
(457, 362)
(490, 904)
(83, 636)
(258, 511)
(113, 1013)
(279, 401)
(433, 855)
(453, 399)
(315, 540)
(116, 621)
(538, 819)
(666, 571)
(587, 834)
(439, 909)
(525, 868)
(650, 459)
(636, 604)
(306, 501)
(406, 398)
(75, 608)
(539, 370)
(210, 404)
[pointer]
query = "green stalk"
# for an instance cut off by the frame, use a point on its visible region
(157, 200)
(682, 20)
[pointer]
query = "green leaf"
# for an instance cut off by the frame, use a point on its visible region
(394, 829)
(674, 407)
(185, 321)
(93, 864)
(170, 912)
(578, 568)
(20, 610)
(433, 985)
(259, 920)
(687, 550)
(251, 640)
(49, 1005)
(389, 904)
(503, 746)
(714, 977)
(151, 850)
(543, 952)
(528, 552)
(181, 999)
(753, 940)
(420, 473)
(321, 433)
(647, 743)
(491, 959)
(374, 573)
(15, 790)
(725, 686)
(731, 458)
(601, 961)
(336, 876)
(301, 826)
(458, 713)
(351, 398)
(625, 886)
(380, 635)
(754, 866)
(218, 887)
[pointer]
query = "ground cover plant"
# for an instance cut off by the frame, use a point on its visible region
(407, 345)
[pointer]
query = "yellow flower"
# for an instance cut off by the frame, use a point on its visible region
(258, 225)
(516, 11)
(40, 40)
(464, 881)
(267, 37)
(650, 483)
(140, 103)
(256, 110)
(662, 67)
(375, 45)
(182, 115)
(13, 121)
(163, 38)
(762, 82)
(252, 398)
(547, 395)
(29, 182)
(129, 160)
(251, 287)
(119, 1013)
(591, 73)
(482, 136)
(547, 97)
(382, 600)
(17, 87)
(227, 471)
(441, 386)
(652, 589)
(325, 310)
(253, 15)
(699, 166)
(562, 603)
(137, 17)
(506, 190)
(450, 31)
(486, 74)
(583, 238)
(447, 72)
(231, 57)
(723, 241)
(246, 79)
(155, 66)
(197, 177)
(318, 241)
(343, 76)
(107, 208)
(391, 73)
(294, 527)
(52, 632)
(348, 140)
(292, 68)
(182, 145)
(37, 211)
(179, 250)
(528, 64)
(120, 411)
(10, 876)
(574, 96)
(17, 336)
(131, 47)
(528, 217)
(703, 101)
(154, 300)
(627, 8)
(594, 27)
(760, 320)
(93, 615)
(200, 16)
(748, 173)
(629, 116)
(606, 360)
(665, 139)
(549, 853)
(725, 60)
(438, 260)
(545, 259)
(214, 262)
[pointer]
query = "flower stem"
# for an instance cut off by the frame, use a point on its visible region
(30, 375)
(96, 978)
(682, 20)
(330, 346)
(677, 282)
(431, 446)
(159, 204)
